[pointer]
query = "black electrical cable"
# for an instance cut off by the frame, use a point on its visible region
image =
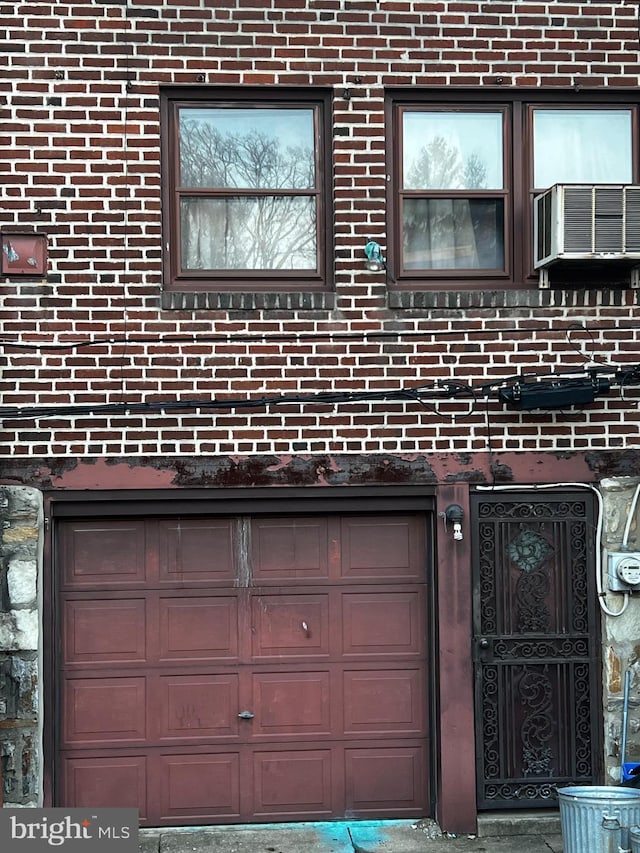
(325, 398)
(415, 394)
(575, 327)
(304, 337)
(441, 390)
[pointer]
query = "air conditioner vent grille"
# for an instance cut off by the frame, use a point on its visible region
(576, 222)
(632, 220)
(608, 219)
(578, 203)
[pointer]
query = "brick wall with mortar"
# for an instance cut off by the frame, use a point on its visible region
(80, 139)
(80, 145)
(20, 682)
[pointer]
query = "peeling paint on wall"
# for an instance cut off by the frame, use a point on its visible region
(236, 471)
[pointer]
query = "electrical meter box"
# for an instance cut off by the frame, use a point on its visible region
(624, 571)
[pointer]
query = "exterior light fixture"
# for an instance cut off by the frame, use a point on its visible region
(375, 259)
(454, 514)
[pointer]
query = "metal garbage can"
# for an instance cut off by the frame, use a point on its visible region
(598, 819)
(634, 839)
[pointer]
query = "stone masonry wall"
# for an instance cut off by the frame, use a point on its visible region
(621, 635)
(20, 683)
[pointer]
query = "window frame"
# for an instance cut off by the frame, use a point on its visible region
(176, 279)
(503, 193)
(518, 107)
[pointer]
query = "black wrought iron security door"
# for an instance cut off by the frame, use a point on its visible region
(536, 645)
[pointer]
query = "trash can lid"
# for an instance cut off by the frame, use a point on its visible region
(599, 792)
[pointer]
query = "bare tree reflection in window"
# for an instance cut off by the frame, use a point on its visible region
(261, 211)
(450, 232)
(452, 183)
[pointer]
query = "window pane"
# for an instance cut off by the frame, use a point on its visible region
(251, 233)
(453, 233)
(582, 146)
(451, 151)
(247, 148)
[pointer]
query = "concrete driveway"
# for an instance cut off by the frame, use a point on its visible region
(541, 835)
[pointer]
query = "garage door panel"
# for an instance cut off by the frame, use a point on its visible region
(104, 631)
(193, 551)
(313, 625)
(197, 706)
(104, 710)
(290, 626)
(385, 779)
(288, 548)
(383, 623)
(383, 548)
(291, 703)
(199, 786)
(105, 555)
(384, 702)
(106, 782)
(198, 628)
(290, 783)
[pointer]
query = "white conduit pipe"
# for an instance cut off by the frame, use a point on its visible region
(600, 523)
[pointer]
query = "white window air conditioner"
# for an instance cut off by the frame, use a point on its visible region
(581, 224)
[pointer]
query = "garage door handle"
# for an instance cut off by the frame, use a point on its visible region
(246, 715)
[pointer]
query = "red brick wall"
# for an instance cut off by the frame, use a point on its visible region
(80, 160)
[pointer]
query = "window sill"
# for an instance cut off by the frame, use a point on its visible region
(529, 298)
(212, 300)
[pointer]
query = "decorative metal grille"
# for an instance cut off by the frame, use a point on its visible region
(536, 650)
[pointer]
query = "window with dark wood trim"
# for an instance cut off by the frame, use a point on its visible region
(466, 166)
(246, 190)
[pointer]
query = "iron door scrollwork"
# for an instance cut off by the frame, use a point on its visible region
(536, 652)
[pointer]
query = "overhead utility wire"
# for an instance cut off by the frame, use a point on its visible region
(302, 337)
(440, 390)
(327, 398)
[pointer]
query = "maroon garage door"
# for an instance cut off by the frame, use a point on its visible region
(215, 670)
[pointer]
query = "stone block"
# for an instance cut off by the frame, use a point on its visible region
(20, 766)
(8, 632)
(19, 630)
(18, 688)
(22, 583)
(618, 496)
(28, 629)
(20, 501)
